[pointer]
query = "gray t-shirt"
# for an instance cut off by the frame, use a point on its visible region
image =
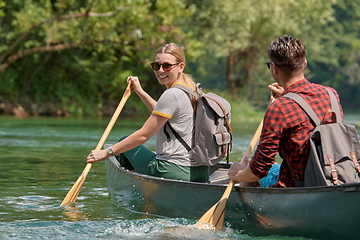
(175, 104)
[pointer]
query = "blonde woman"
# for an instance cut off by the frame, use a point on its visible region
(171, 159)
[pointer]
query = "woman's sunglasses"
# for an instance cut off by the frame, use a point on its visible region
(165, 66)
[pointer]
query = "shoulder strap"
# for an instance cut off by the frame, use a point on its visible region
(297, 98)
(334, 104)
(176, 134)
(186, 89)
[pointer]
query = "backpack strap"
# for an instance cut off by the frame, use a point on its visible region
(334, 104)
(187, 90)
(297, 98)
(176, 134)
(305, 106)
(334, 174)
(355, 161)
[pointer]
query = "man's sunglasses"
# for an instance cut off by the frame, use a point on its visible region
(268, 63)
(165, 66)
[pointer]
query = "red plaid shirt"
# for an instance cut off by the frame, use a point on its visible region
(287, 129)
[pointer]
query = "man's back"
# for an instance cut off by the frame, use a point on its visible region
(287, 128)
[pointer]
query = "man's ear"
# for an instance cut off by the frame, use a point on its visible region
(275, 69)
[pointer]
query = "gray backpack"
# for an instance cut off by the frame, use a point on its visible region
(334, 148)
(213, 133)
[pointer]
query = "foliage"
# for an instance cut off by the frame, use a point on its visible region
(73, 56)
(337, 63)
(239, 32)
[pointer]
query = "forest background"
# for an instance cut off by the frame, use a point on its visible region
(72, 57)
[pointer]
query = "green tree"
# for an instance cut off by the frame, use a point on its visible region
(2, 4)
(70, 55)
(240, 32)
(336, 61)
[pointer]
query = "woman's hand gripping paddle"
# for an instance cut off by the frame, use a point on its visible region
(75, 190)
(214, 217)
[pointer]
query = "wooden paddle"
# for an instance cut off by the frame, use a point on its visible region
(214, 217)
(75, 190)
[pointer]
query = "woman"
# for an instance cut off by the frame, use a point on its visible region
(171, 160)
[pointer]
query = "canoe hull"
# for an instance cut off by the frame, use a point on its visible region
(317, 212)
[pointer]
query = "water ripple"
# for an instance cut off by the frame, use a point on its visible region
(155, 229)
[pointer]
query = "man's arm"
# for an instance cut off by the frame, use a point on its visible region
(241, 172)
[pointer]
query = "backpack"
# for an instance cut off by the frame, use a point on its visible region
(213, 133)
(334, 148)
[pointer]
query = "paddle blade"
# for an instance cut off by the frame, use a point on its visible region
(214, 217)
(75, 190)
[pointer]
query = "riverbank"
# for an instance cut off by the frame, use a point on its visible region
(241, 110)
(134, 108)
(8, 108)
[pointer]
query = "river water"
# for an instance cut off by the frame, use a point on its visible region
(40, 160)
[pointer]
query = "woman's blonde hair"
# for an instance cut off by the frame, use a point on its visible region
(178, 53)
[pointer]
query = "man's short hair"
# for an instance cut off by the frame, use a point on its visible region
(288, 52)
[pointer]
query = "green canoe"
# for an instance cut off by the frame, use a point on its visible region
(314, 212)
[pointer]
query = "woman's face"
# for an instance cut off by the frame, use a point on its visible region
(168, 78)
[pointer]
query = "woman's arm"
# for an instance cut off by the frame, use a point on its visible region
(150, 127)
(144, 96)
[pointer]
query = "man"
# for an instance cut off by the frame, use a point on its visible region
(287, 127)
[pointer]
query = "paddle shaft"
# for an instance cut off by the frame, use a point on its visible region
(215, 215)
(75, 190)
(248, 151)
